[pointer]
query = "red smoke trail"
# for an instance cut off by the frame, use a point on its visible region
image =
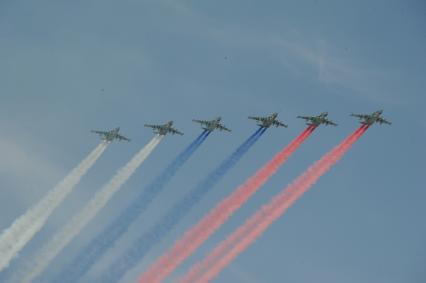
(200, 232)
(244, 236)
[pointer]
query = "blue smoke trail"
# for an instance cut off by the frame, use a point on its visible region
(144, 244)
(105, 240)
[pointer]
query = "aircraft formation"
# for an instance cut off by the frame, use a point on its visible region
(26, 226)
(262, 121)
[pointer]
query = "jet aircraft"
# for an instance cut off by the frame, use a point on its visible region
(164, 129)
(266, 122)
(111, 135)
(211, 125)
(375, 117)
(317, 120)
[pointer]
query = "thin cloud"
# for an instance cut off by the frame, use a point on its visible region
(23, 164)
(369, 83)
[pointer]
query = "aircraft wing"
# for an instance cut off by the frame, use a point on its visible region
(152, 126)
(174, 131)
(383, 121)
(305, 117)
(255, 118)
(279, 124)
(99, 132)
(360, 116)
(122, 138)
(328, 122)
(200, 121)
(223, 128)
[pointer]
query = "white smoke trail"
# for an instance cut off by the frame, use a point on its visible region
(23, 229)
(63, 237)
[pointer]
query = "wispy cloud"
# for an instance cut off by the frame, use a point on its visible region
(24, 165)
(332, 65)
(333, 69)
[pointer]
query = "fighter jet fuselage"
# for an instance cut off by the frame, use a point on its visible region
(268, 121)
(211, 125)
(317, 120)
(109, 136)
(164, 129)
(375, 117)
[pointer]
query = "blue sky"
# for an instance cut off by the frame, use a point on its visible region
(68, 67)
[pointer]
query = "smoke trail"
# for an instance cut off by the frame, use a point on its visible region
(175, 214)
(105, 240)
(246, 234)
(200, 232)
(23, 229)
(64, 236)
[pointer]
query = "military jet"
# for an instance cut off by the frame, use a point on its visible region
(375, 117)
(164, 129)
(111, 135)
(212, 124)
(266, 122)
(317, 120)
